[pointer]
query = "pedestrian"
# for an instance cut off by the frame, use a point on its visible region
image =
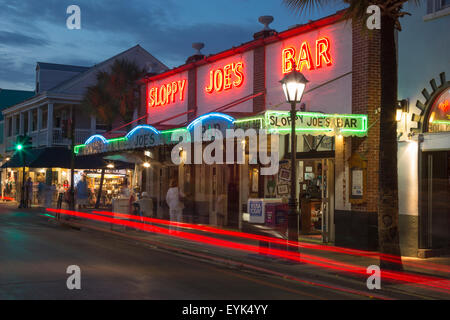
(41, 192)
(61, 193)
(173, 199)
(28, 192)
(82, 192)
(49, 195)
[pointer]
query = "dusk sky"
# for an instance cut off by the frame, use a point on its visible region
(32, 31)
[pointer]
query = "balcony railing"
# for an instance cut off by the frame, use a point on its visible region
(39, 139)
(81, 135)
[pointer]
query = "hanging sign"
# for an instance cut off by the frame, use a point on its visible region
(317, 123)
(143, 136)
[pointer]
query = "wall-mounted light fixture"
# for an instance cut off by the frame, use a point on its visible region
(402, 107)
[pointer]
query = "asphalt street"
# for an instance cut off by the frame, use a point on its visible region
(35, 254)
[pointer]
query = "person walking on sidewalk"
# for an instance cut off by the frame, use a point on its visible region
(61, 192)
(173, 199)
(82, 193)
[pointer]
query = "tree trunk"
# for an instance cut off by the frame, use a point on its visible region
(388, 231)
(100, 189)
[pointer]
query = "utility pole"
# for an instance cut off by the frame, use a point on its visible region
(72, 159)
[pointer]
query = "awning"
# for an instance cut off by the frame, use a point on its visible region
(59, 157)
(275, 122)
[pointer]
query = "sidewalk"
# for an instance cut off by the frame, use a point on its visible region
(275, 266)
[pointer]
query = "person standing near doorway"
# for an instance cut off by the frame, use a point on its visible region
(173, 199)
(28, 193)
(41, 192)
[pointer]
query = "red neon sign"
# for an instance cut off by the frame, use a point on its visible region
(166, 93)
(221, 78)
(304, 58)
(444, 106)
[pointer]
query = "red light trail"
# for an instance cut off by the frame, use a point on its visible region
(432, 282)
(374, 255)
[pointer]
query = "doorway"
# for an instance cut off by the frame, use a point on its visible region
(434, 219)
(316, 198)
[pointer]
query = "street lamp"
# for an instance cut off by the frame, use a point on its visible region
(294, 84)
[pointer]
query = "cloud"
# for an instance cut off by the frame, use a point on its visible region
(18, 39)
(36, 30)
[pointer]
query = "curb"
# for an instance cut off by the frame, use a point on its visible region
(223, 261)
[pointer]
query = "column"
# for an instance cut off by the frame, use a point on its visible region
(13, 123)
(39, 127)
(21, 124)
(50, 124)
(39, 119)
(30, 121)
(135, 116)
(5, 134)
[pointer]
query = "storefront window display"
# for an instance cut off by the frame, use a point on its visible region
(439, 116)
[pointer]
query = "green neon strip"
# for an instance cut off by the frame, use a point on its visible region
(118, 139)
(447, 122)
(174, 130)
(244, 120)
(248, 119)
(299, 129)
(362, 117)
(77, 148)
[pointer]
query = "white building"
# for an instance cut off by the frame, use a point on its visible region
(58, 89)
(424, 130)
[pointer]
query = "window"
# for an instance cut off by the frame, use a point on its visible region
(9, 124)
(17, 125)
(44, 119)
(100, 125)
(437, 8)
(34, 122)
(25, 123)
(439, 115)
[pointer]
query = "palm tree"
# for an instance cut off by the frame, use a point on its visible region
(116, 94)
(98, 101)
(391, 12)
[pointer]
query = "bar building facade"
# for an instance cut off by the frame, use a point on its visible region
(337, 130)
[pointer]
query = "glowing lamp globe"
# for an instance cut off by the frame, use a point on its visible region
(294, 84)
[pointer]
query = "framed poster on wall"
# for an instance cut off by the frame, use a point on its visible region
(283, 189)
(358, 179)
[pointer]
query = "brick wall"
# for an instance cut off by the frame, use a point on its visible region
(259, 78)
(366, 89)
(192, 94)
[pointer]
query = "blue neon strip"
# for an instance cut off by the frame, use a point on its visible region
(209, 115)
(142, 126)
(91, 138)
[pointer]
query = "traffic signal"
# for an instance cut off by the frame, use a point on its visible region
(23, 143)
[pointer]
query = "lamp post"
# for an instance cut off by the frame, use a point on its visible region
(294, 84)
